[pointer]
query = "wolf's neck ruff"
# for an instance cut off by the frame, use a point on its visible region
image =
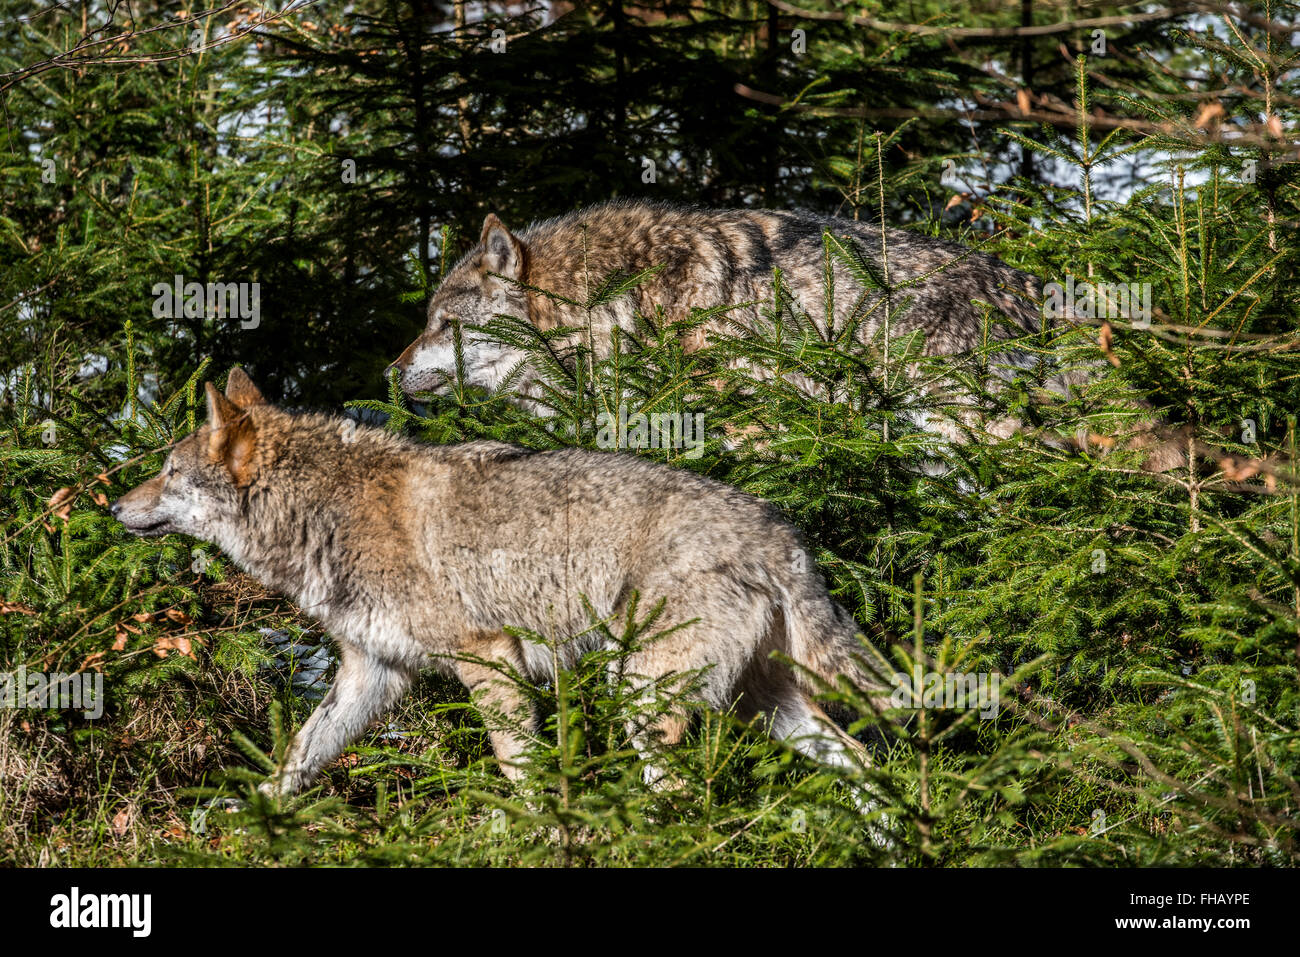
(292, 551)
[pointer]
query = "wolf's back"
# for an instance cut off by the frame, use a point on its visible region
(944, 280)
(711, 257)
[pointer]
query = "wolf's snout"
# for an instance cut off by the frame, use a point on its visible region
(403, 361)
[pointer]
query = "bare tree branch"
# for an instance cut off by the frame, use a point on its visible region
(1054, 114)
(1037, 30)
(82, 54)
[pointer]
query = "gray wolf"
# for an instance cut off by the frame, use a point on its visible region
(957, 298)
(708, 258)
(412, 555)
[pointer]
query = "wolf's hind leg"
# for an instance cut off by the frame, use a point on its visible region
(799, 720)
(364, 688)
(704, 657)
(508, 714)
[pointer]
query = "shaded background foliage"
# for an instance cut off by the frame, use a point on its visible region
(229, 164)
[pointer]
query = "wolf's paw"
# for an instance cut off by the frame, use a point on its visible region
(279, 787)
(878, 829)
(661, 780)
(286, 782)
(200, 820)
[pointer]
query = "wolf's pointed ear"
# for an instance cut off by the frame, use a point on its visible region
(503, 253)
(241, 391)
(220, 409)
(232, 438)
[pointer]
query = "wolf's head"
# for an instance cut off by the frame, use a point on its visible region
(481, 286)
(198, 490)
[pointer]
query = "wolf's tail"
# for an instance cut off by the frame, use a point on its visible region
(823, 638)
(1163, 447)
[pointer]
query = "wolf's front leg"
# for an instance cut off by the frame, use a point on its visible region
(505, 710)
(364, 688)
